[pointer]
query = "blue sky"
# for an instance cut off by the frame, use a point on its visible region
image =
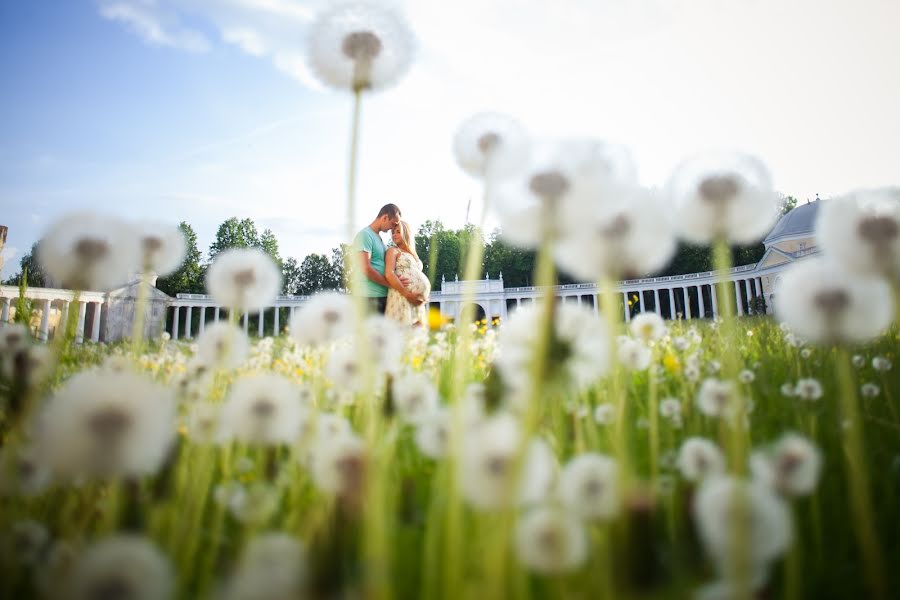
(199, 110)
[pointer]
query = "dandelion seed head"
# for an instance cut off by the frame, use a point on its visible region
(807, 389)
(121, 567)
(588, 486)
(832, 306)
(491, 146)
(223, 345)
(243, 279)
(323, 319)
(162, 247)
(699, 458)
(262, 409)
(549, 541)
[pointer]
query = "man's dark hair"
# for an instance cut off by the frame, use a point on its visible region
(391, 210)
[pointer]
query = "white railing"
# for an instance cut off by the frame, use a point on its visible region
(51, 309)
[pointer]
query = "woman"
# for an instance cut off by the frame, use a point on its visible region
(401, 260)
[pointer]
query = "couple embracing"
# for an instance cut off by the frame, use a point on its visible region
(395, 285)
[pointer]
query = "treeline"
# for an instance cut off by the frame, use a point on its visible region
(442, 250)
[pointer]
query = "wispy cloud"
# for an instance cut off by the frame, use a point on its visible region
(146, 19)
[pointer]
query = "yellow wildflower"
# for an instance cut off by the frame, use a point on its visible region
(435, 319)
(670, 362)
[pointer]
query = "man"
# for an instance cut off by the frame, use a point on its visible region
(370, 247)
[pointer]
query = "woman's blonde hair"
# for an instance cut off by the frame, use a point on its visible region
(408, 239)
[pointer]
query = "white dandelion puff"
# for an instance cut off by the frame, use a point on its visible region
(121, 567)
(433, 433)
(549, 541)
(670, 408)
(360, 45)
(858, 361)
(634, 355)
(830, 305)
(604, 413)
(746, 376)
(204, 423)
(648, 326)
(85, 251)
(273, 566)
(717, 398)
(723, 194)
(808, 389)
(339, 465)
(243, 279)
(792, 465)
(767, 523)
(870, 390)
(22, 472)
(699, 458)
(107, 425)
(223, 345)
(881, 363)
(162, 247)
(861, 230)
(490, 146)
(626, 236)
(325, 318)
(415, 397)
(256, 504)
(262, 409)
(579, 353)
(487, 465)
(588, 486)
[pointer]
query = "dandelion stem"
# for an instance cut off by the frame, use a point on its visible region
(857, 473)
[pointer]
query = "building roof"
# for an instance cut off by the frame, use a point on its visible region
(800, 221)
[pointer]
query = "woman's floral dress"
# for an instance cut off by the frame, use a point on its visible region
(398, 307)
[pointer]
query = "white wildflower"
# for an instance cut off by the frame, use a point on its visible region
(491, 146)
(360, 45)
(549, 541)
(699, 458)
(881, 363)
(870, 390)
(604, 413)
(107, 425)
(808, 389)
(223, 345)
(273, 566)
(792, 466)
(670, 408)
(433, 433)
(648, 326)
(325, 318)
(339, 465)
(162, 247)
(746, 376)
(829, 305)
(415, 396)
(717, 398)
(243, 279)
(588, 486)
(634, 355)
(121, 567)
(262, 409)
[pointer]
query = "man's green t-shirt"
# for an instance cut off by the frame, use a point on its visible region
(369, 241)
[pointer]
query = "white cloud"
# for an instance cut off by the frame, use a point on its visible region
(147, 21)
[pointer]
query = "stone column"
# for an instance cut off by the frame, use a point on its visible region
(216, 314)
(640, 296)
(671, 304)
(277, 316)
(44, 332)
(737, 298)
(259, 323)
(715, 303)
(4, 310)
(202, 319)
(177, 310)
(687, 302)
(79, 327)
(187, 322)
(246, 322)
(701, 302)
(656, 307)
(63, 319)
(751, 292)
(627, 308)
(95, 329)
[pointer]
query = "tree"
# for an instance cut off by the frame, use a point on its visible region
(516, 264)
(268, 243)
(188, 278)
(30, 265)
(787, 204)
(235, 233)
(316, 273)
(290, 277)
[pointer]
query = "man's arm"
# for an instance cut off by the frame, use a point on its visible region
(370, 273)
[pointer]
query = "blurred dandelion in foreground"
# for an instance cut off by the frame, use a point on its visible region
(325, 318)
(107, 425)
(243, 279)
(360, 45)
(223, 345)
(162, 247)
(488, 470)
(861, 230)
(549, 540)
(491, 146)
(648, 326)
(578, 353)
(85, 251)
(273, 566)
(699, 458)
(415, 397)
(433, 433)
(791, 466)
(830, 305)
(121, 567)
(723, 504)
(262, 409)
(723, 195)
(588, 486)
(717, 398)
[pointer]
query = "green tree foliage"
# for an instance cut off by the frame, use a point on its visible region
(237, 233)
(516, 264)
(30, 265)
(188, 278)
(268, 243)
(787, 204)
